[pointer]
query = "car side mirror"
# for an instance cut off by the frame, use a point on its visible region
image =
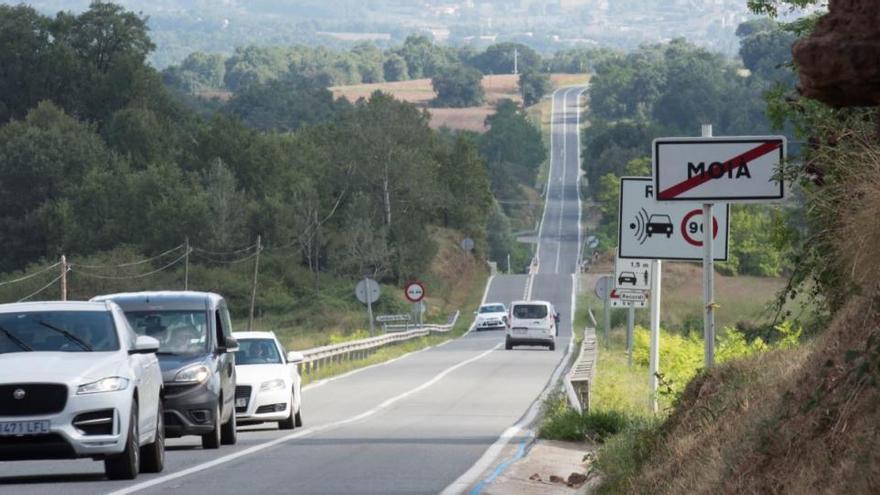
(231, 345)
(144, 345)
(294, 357)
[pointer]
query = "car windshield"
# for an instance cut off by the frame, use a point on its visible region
(526, 311)
(660, 219)
(257, 351)
(178, 332)
(492, 308)
(62, 331)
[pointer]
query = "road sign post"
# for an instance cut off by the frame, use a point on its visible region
(367, 291)
(630, 324)
(604, 287)
(654, 358)
(708, 284)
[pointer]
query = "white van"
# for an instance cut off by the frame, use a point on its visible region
(532, 323)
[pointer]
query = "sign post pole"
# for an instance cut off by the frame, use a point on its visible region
(607, 319)
(630, 324)
(708, 278)
(654, 358)
(369, 306)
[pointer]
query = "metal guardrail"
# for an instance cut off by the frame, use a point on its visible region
(583, 372)
(319, 357)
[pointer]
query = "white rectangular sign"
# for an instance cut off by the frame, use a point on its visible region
(629, 299)
(725, 169)
(667, 231)
(632, 274)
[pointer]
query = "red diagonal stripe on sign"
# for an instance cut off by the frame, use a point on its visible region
(693, 182)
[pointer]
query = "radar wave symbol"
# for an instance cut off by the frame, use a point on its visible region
(640, 226)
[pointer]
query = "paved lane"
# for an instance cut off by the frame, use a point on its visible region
(414, 425)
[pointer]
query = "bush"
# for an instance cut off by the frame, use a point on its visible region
(563, 423)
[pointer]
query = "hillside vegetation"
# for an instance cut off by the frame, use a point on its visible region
(112, 166)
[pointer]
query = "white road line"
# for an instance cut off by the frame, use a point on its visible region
(472, 476)
(308, 431)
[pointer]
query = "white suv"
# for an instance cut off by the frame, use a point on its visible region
(76, 381)
(532, 323)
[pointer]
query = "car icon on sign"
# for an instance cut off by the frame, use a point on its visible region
(659, 224)
(626, 278)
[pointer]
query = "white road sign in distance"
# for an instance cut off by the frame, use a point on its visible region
(367, 290)
(724, 169)
(604, 286)
(632, 274)
(414, 292)
(666, 231)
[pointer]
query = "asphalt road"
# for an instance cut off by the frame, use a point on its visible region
(430, 421)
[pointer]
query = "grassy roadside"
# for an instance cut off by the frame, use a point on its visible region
(473, 298)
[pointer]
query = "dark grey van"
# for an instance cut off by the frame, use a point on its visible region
(196, 353)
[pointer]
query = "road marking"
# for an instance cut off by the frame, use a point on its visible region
(580, 249)
(472, 476)
(308, 431)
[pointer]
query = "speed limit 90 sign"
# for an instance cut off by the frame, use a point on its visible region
(649, 229)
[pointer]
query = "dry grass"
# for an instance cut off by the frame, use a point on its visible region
(420, 92)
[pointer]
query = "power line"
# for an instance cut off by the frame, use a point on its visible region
(50, 284)
(132, 277)
(133, 263)
(228, 253)
(230, 262)
(32, 275)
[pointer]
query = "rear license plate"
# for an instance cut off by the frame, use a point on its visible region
(18, 428)
(241, 402)
(520, 331)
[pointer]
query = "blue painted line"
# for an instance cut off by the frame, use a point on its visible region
(520, 453)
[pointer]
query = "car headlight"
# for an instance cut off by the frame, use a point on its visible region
(271, 385)
(193, 374)
(109, 384)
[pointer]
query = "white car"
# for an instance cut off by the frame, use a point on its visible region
(491, 315)
(269, 386)
(76, 381)
(533, 323)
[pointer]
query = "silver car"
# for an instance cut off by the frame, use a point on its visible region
(76, 381)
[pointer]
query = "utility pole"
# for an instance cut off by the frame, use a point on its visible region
(254, 287)
(508, 263)
(630, 325)
(186, 265)
(708, 277)
(515, 61)
(63, 277)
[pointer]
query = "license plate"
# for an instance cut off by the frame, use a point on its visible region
(18, 428)
(520, 331)
(241, 402)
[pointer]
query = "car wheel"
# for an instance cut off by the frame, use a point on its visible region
(508, 345)
(229, 432)
(290, 421)
(552, 346)
(212, 440)
(125, 466)
(298, 418)
(153, 455)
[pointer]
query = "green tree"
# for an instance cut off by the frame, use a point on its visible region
(458, 86)
(499, 59)
(283, 104)
(533, 85)
(395, 68)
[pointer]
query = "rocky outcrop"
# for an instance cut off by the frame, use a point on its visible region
(840, 62)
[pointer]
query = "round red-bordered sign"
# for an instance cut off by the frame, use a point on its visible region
(684, 232)
(414, 292)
